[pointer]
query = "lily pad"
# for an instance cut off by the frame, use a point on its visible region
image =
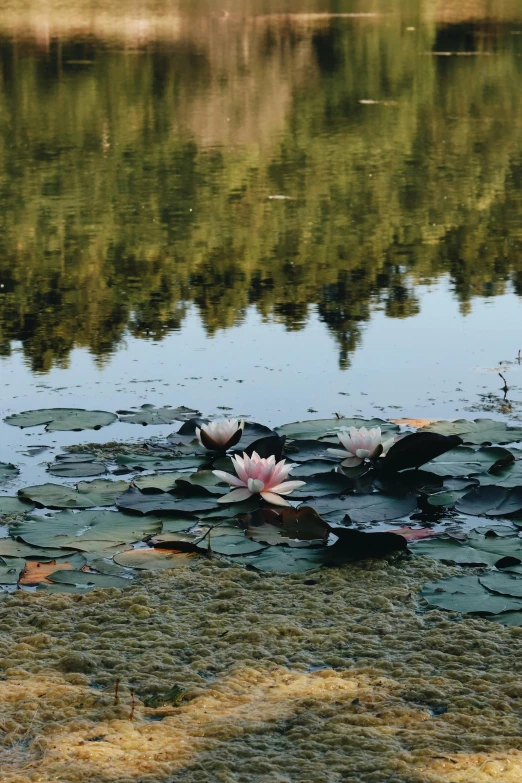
(363, 509)
(88, 494)
(452, 551)
(10, 548)
(304, 450)
(165, 502)
(83, 579)
(76, 466)
(467, 595)
(9, 505)
(316, 467)
(165, 482)
(415, 450)
(160, 463)
(62, 419)
(464, 461)
(231, 545)
(154, 559)
(503, 584)
(87, 531)
(7, 472)
(491, 501)
(149, 414)
(284, 560)
(303, 527)
(509, 476)
(319, 428)
(324, 484)
(479, 431)
(9, 574)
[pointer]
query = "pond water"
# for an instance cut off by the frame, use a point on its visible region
(288, 209)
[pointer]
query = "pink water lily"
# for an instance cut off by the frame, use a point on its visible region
(360, 445)
(220, 435)
(256, 475)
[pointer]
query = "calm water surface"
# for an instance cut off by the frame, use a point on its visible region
(274, 207)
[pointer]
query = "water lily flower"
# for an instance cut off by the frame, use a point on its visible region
(220, 435)
(256, 475)
(360, 445)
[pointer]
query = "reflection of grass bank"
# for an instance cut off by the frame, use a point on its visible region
(401, 696)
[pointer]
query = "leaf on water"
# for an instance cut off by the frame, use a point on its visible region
(154, 559)
(467, 595)
(319, 428)
(491, 501)
(465, 461)
(285, 560)
(479, 431)
(149, 414)
(160, 463)
(7, 472)
(362, 509)
(88, 494)
(9, 505)
(452, 551)
(289, 527)
(324, 484)
(415, 450)
(76, 466)
(164, 502)
(36, 572)
(358, 545)
(83, 579)
(87, 531)
(62, 419)
(304, 450)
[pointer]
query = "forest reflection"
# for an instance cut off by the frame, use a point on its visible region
(136, 175)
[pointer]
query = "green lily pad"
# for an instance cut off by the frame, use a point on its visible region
(10, 574)
(87, 531)
(149, 414)
(83, 579)
(88, 494)
(231, 545)
(447, 498)
(324, 484)
(501, 540)
(467, 595)
(62, 419)
(503, 584)
(154, 559)
(161, 462)
(10, 548)
(301, 528)
(452, 551)
(9, 505)
(319, 428)
(479, 431)
(362, 509)
(106, 566)
(465, 461)
(491, 501)
(76, 466)
(285, 561)
(163, 502)
(7, 472)
(509, 476)
(316, 467)
(304, 450)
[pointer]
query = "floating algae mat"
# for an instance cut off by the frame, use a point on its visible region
(303, 496)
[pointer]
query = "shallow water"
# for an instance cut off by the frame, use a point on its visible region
(261, 206)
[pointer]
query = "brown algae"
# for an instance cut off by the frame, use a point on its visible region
(332, 675)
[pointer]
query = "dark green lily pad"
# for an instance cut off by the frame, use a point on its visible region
(154, 559)
(9, 505)
(165, 482)
(149, 414)
(509, 476)
(231, 545)
(7, 472)
(479, 431)
(285, 560)
(503, 584)
(452, 551)
(324, 484)
(363, 509)
(161, 462)
(87, 531)
(414, 450)
(10, 574)
(83, 579)
(316, 467)
(304, 450)
(88, 494)
(465, 461)
(501, 540)
(467, 595)
(62, 419)
(106, 566)
(491, 501)
(319, 428)
(76, 466)
(301, 528)
(10, 548)
(164, 502)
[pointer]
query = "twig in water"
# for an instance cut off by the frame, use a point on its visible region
(133, 703)
(519, 357)
(505, 388)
